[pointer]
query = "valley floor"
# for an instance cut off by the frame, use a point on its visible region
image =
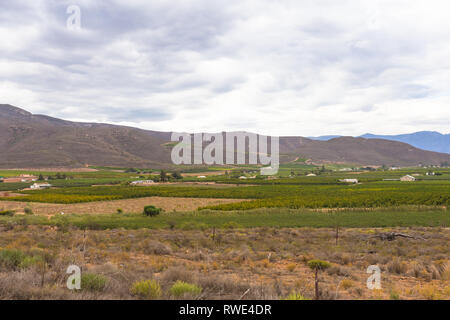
(223, 237)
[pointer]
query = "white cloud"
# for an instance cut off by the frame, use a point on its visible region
(275, 67)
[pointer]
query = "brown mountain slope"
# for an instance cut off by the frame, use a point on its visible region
(34, 140)
(28, 140)
(360, 150)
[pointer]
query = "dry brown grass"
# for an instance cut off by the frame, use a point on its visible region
(266, 263)
(127, 205)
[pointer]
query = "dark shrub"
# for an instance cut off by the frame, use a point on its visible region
(151, 211)
(7, 213)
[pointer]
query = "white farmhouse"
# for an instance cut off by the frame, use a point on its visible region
(141, 182)
(40, 186)
(407, 178)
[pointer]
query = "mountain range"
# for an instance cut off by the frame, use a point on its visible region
(29, 140)
(426, 140)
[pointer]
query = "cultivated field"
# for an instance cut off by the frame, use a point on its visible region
(102, 207)
(224, 237)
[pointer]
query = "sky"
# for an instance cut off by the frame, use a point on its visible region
(295, 67)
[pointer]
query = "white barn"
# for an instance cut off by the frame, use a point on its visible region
(407, 178)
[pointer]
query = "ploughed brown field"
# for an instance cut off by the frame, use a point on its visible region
(127, 205)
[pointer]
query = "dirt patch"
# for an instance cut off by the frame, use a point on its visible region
(6, 194)
(105, 207)
(208, 173)
(62, 169)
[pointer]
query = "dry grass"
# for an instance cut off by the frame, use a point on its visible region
(264, 263)
(127, 205)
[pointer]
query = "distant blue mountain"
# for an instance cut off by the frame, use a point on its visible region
(426, 140)
(324, 138)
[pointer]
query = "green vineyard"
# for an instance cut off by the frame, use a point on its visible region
(369, 194)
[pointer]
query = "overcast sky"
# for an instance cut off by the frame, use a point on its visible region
(273, 67)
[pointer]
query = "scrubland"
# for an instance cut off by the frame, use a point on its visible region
(219, 263)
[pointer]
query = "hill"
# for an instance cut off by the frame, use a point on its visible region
(426, 140)
(29, 140)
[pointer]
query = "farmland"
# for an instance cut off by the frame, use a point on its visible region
(224, 235)
(277, 218)
(374, 194)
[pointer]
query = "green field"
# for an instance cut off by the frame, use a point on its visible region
(390, 217)
(295, 192)
(329, 195)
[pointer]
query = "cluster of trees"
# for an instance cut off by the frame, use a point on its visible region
(138, 171)
(58, 176)
(235, 174)
(166, 177)
(317, 171)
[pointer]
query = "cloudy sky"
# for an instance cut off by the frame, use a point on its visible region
(274, 67)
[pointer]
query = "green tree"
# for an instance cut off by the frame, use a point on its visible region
(316, 266)
(176, 175)
(163, 176)
(151, 211)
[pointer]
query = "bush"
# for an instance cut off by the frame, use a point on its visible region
(28, 211)
(7, 213)
(394, 295)
(31, 261)
(119, 211)
(151, 211)
(149, 289)
(155, 247)
(346, 284)
(177, 175)
(93, 282)
(397, 266)
(11, 258)
(231, 225)
(295, 296)
(14, 259)
(291, 267)
(182, 289)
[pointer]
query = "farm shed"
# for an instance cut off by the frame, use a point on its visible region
(407, 178)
